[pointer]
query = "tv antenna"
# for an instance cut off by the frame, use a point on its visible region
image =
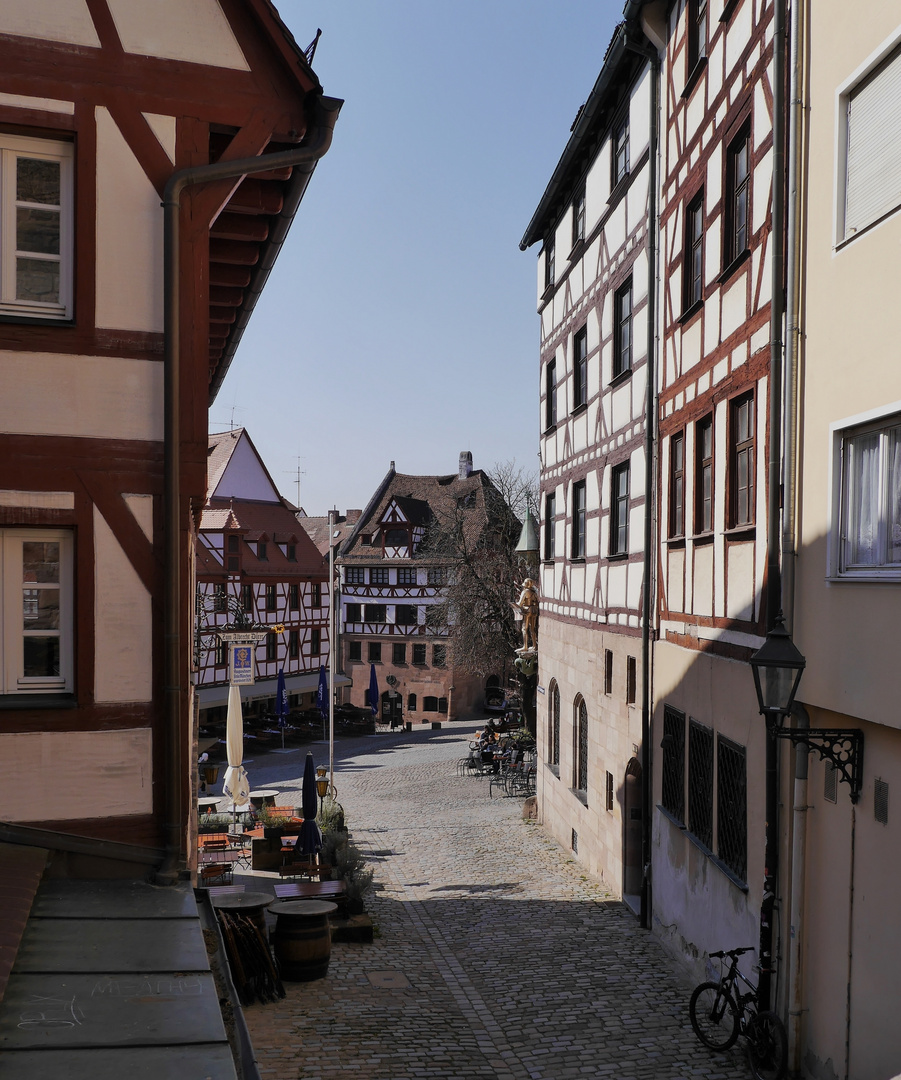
(297, 474)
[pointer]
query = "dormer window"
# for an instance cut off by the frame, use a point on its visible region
(262, 551)
(291, 552)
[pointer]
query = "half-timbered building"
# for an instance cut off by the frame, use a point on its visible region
(391, 586)
(119, 317)
(254, 560)
(593, 302)
(717, 250)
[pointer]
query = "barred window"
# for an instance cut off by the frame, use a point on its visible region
(732, 806)
(673, 794)
(609, 799)
(580, 765)
(608, 671)
(553, 740)
(700, 782)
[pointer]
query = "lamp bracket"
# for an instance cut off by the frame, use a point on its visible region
(842, 746)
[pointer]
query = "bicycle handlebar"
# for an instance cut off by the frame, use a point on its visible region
(731, 952)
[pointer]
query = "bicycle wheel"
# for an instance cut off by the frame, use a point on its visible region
(767, 1046)
(714, 1016)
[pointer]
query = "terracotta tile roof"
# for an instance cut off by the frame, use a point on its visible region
(317, 530)
(274, 522)
(220, 450)
(21, 869)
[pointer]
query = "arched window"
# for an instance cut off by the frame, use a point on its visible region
(553, 725)
(430, 704)
(580, 744)
(411, 703)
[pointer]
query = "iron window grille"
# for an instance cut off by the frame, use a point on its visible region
(700, 782)
(673, 780)
(554, 726)
(631, 680)
(580, 777)
(880, 801)
(609, 792)
(732, 806)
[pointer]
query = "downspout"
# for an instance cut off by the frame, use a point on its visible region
(774, 471)
(789, 535)
(305, 157)
(650, 444)
(796, 909)
(647, 586)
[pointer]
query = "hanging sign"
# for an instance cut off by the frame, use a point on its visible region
(240, 663)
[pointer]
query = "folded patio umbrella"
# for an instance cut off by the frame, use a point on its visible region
(235, 785)
(373, 690)
(310, 839)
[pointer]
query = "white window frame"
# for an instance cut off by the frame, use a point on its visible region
(845, 231)
(12, 677)
(11, 148)
(875, 420)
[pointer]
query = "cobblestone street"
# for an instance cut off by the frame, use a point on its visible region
(496, 956)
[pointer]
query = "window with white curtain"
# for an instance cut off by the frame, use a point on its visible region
(870, 522)
(870, 113)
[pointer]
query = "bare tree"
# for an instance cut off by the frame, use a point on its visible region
(476, 539)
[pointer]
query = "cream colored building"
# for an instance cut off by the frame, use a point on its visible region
(846, 600)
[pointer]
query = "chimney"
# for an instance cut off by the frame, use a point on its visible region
(353, 516)
(465, 464)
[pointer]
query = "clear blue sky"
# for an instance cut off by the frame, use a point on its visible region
(399, 322)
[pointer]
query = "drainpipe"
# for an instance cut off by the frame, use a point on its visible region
(303, 158)
(789, 533)
(774, 470)
(796, 909)
(650, 445)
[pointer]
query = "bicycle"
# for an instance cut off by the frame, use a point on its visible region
(719, 1013)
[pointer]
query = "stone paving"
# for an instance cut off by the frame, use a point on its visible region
(497, 956)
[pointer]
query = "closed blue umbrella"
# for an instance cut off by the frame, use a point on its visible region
(281, 702)
(373, 690)
(322, 693)
(310, 840)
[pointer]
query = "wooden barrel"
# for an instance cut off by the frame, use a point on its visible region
(302, 939)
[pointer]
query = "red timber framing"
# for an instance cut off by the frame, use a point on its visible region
(162, 115)
(716, 349)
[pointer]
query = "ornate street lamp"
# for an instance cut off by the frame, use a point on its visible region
(777, 668)
(322, 785)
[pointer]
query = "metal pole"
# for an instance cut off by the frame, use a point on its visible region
(332, 521)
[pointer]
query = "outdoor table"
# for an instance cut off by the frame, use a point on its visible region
(208, 804)
(264, 798)
(251, 904)
(220, 855)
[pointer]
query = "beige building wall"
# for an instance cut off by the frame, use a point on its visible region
(844, 623)
(573, 657)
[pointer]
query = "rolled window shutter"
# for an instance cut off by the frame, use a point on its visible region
(873, 184)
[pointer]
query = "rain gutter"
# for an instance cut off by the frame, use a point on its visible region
(773, 594)
(302, 158)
